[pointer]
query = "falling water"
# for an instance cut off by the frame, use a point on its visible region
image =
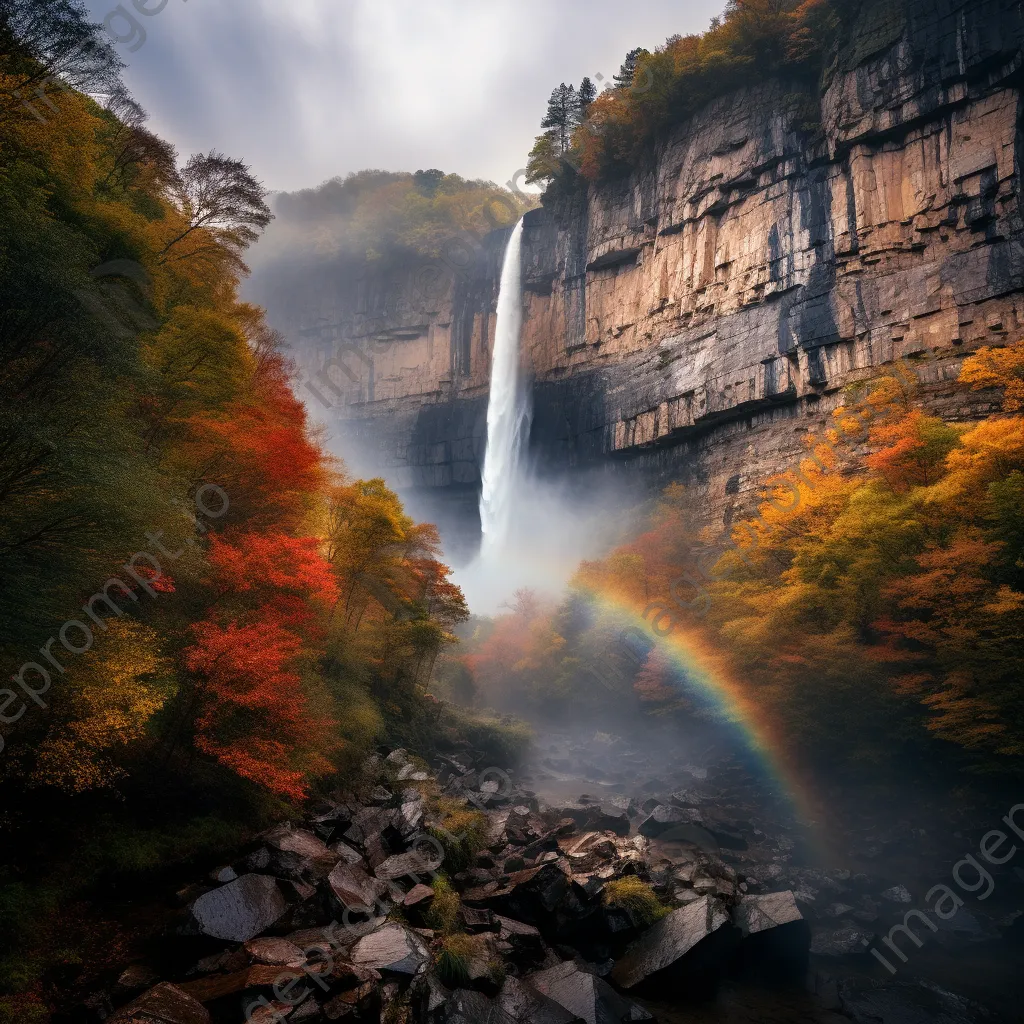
(508, 412)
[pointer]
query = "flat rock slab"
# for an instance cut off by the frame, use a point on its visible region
(669, 941)
(240, 910)
(276, 951)
(166, 1003)
(755, 914)
(354, 887)
(665, 816)
(216, 986)
(527, 1005)
(401, 865)
(392, 948)
(585, 995)
(464, 1006)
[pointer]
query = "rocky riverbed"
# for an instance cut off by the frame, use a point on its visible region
(608, 882)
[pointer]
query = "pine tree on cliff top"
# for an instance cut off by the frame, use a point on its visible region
(585, 95)
(561, 116)
(624, 79)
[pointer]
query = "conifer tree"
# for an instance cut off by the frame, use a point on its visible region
(585, 95)
(624, 79)
(561, 115)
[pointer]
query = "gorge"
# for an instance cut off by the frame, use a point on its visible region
(698, 318)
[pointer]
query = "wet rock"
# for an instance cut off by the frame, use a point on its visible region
(165, 1003)
(681, 940)
(585, 995)
(392, 948)
(241, 909)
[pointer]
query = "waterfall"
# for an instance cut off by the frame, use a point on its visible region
(508, 410)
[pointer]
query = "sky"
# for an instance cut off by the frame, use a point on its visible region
(305, 90)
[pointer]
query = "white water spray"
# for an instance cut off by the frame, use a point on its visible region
(508, 411)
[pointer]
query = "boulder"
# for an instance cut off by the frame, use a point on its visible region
(403, 865)
(584, 995)
(241, 909)
(136, 978)
(298, 854)
(531, 895)
(665, 816)
(418, 896)
(346, 1004)
(683, 935)
(528, 1006)
(349, 854)
(839, 941)
(464, 1006)
(277, 951)
(216, 986)
(392, 948)
(165, 1003)
(776, 937)
(354, 887)
(753, 914)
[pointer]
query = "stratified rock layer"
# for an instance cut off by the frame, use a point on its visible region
(697, 319)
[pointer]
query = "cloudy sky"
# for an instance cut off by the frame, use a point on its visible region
(308, 89)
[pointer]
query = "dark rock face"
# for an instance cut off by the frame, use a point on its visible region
(587, 996)
(670, 943)
(166, 1003)
(694, 320)
(241, 909)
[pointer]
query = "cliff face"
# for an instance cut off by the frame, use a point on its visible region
(698, 319)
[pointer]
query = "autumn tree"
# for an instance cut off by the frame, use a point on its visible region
(223, 207)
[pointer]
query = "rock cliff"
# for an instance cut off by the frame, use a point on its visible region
(699, 318)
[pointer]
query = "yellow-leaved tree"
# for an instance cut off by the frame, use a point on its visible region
(111, 693)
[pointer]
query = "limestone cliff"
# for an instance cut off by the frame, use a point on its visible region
(699, 318)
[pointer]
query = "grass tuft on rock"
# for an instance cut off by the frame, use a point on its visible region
(444, 908)
(636, 897)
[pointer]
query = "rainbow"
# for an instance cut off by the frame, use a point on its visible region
(707, 672)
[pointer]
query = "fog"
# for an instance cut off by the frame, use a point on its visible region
(554, 527)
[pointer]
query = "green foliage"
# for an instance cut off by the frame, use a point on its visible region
(376, 215)
(636, 897)
(652, 91)
(503, 740)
